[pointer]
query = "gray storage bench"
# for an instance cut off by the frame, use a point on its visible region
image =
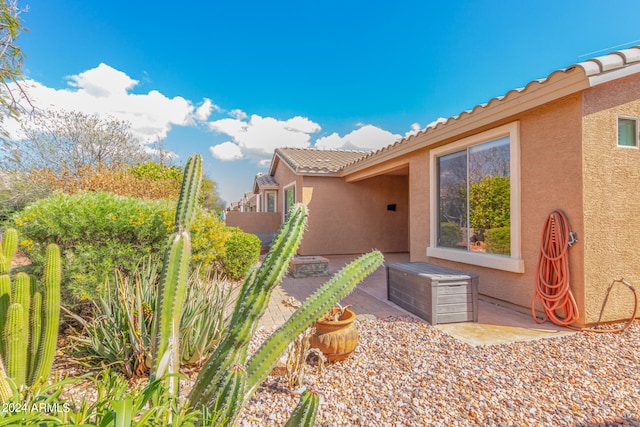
(436, 294)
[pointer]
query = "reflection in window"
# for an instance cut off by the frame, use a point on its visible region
(289, 199)
(271, 201)
(627, 132)
(474, 198)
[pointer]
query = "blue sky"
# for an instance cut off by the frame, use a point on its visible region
(234, 80)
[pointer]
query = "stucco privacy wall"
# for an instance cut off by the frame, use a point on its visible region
(262, 224)
(550, 168)
(349, 218)
(611, 199)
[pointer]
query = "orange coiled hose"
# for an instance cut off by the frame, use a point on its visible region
(552, 278)
(552, 273)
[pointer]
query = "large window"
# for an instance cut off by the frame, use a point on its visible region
(475, 200)
(627, 132)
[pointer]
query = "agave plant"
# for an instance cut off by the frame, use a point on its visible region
(120, 334)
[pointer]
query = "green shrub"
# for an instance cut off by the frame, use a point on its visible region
(242, 251)
(498, 240)
(100, 232)
(208, 237)
(450, 234)
(97, 233)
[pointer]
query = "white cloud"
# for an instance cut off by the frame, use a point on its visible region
(415, 128)
(106, 91)
(238, 114)
(226, 151)
(435, 122)
(265, 134)
(367, 137)
(204, 111)
(103, 82)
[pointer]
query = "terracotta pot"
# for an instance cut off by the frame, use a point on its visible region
(336, 339)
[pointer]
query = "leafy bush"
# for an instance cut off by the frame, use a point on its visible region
(242, 251)
(144, 181)
(115, 399)
(498, 240)
(450, 234)
(120, 333)
(208, 237)
(489, 202)
(97, 233)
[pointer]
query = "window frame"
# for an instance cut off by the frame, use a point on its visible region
(637, 139)
(267, 193)
(514, 262)
(287, 187)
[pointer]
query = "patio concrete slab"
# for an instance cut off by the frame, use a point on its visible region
(496, 324)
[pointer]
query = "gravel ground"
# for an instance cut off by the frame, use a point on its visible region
(407, 373)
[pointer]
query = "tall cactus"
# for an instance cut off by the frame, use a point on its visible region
(173, 283)
(28, 320)
(217, 373)
(50, 318)
(227, 380)
(8, 249)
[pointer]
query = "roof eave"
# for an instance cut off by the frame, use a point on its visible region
(557, 85)
(614, 75)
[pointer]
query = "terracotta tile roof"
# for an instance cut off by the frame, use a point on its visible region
(590, 73)
(316, 161)
(265, 180)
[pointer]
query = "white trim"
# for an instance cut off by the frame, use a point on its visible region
(618, 73)
(635, 119)
(265, 198)
(498, 262)
(512, 263)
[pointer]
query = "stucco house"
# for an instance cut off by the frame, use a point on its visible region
(473, 192)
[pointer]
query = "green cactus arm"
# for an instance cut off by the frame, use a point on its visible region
(15, 335)
(305, 413)
(265, 358)
(188, 199)
(169, 306)
(9, 248)
(227, 404)
(50, 314)
(5, 389)
(22, 293)
(35, 334)
(252, 301)
(5, 300)
(256, 291)
(257, 287)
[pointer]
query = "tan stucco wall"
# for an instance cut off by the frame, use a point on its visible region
(611, 199)
(254, 222)
(550, 179)
(284, 176)
(350, 218)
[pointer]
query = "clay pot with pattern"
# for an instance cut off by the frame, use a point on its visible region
(336, 339)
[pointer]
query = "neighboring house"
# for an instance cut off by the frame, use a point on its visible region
(473, 192)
